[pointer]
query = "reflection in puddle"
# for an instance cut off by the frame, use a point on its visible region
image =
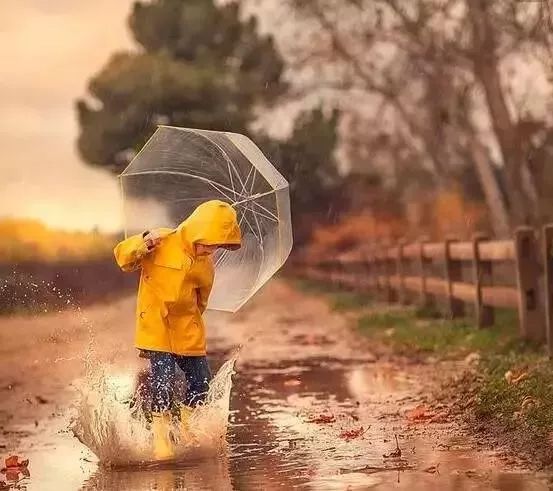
(206, 474)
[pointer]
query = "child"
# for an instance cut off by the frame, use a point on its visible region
(175, 283)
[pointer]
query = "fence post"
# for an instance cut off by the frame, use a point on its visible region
(400, 271)
(548, 285)
(426, 300)
(388, 267)
(373, 272)
(482, 271)
(377, 265)
(531, 318)
(453, 273)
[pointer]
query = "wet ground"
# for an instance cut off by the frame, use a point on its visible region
(313, 407)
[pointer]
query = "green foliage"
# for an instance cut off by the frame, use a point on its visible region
(307, 160)
(199, 65)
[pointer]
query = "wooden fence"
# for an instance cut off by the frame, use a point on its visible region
(460, 273)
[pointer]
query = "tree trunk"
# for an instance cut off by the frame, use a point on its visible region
(494, 199)
(524, 202)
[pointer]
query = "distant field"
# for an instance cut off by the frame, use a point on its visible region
(30, 240)
(43, 269)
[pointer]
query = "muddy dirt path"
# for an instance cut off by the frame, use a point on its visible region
(314, 406)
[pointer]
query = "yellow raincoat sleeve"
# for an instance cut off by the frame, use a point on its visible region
(203, 297)
(129, 253)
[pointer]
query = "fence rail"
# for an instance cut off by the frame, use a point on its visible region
(426, 272)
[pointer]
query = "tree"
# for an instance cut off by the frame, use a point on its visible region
(307, 159)
(432, 71)
(198, 65)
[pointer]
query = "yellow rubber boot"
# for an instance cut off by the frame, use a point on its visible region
(185, 413)
(163, 447)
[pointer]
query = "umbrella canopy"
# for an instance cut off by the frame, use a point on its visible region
(180, 168)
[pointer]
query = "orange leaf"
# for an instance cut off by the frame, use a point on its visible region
(322, 419)
(352, 434)
(292, 382)
(420, 413)
(12, 461)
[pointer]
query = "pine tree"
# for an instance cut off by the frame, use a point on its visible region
(198, 65)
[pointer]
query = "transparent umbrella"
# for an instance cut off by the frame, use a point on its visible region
(180, 168)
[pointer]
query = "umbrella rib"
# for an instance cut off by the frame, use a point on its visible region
(258, 226)
(252, 210)
(250, 226)
(253, 179)
(227, 159)
(216, 185)
(187, 174)
(221, 257)
(272, 218)
(247, 179)
(230, 176)
(253, 197)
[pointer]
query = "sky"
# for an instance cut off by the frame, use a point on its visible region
(48, 51)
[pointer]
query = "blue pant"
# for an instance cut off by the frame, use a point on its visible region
(197, 373)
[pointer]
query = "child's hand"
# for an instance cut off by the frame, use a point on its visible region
(152, 240)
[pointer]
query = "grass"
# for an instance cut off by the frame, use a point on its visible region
(525, 408)
(410, 331)
(340, 300)
(520, 410)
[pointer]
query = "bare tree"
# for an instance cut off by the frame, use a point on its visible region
(416, 61)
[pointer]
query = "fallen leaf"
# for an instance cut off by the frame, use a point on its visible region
(12, 461)
(433, 469)
(322, 419)
(509, 376)
(14, 467)
(420, 413)
(293, 382)
(41, 400)
(352, 434)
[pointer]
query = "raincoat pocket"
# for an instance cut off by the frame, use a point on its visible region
(151, 331)
(187, 335)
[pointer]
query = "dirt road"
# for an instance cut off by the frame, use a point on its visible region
(314, 406)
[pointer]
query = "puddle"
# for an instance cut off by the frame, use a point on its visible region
(272, 444)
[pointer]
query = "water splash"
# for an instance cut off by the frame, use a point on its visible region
(110, 422)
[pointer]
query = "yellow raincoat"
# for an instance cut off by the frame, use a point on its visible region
(175, 282)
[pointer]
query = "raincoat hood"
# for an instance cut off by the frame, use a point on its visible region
(212, 223)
